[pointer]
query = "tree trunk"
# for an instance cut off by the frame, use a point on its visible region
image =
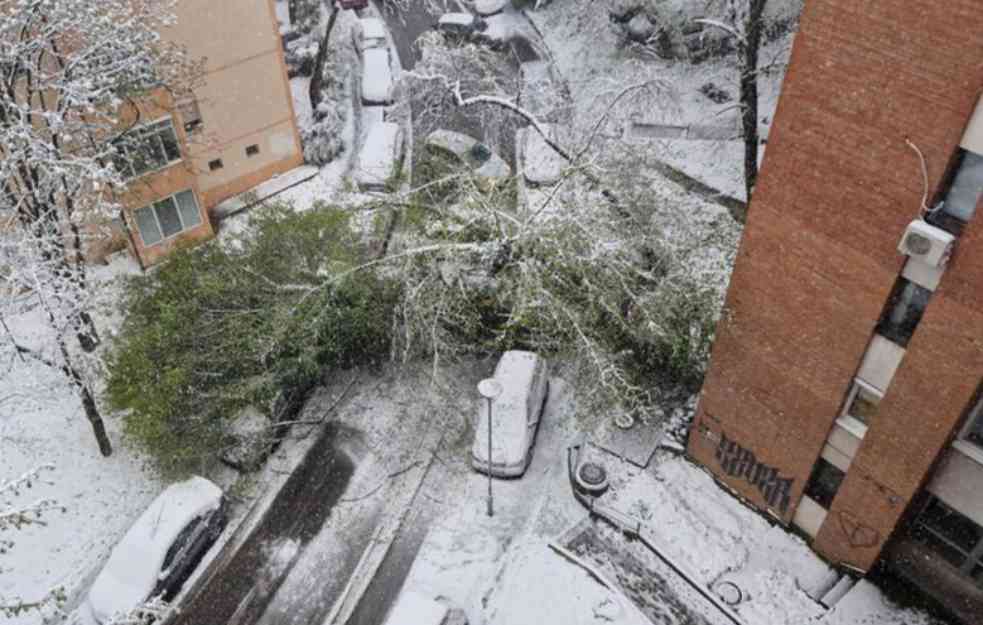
(88, 401)
(748, 52)
(322, 53)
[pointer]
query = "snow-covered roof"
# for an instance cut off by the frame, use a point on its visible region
(541, 164)
(461, 145)
(377, 77)
(134, 565)
(380, 152)
(460, 19)
(516, 372)
(414, 608)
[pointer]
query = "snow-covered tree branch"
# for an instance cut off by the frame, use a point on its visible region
(72, 74)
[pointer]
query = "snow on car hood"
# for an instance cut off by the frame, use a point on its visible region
(130, 574)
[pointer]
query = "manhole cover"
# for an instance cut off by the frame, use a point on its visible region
(729, 592)
(593, 474)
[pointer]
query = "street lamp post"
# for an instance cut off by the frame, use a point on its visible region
(490, 388)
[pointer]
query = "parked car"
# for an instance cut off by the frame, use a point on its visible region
(463, 26)
(380, 157)
(516, 412)
(414, 608)
(377, 77)
(371, 33)
(489, 167)
(160, 550)
(490, 7)
(353, 4)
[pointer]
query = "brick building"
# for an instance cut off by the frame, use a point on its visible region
(239, 129)
(844, 391)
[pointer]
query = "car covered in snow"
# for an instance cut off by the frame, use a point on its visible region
(488, 167)
(377, 77)
(370, 33)
(380, 157)
(414, 608)
(463, 27)
(490, 7)
(516, 413)
(161, 549)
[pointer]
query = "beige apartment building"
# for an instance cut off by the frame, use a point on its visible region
(237, 131)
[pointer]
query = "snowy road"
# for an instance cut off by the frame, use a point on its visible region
(278, 576)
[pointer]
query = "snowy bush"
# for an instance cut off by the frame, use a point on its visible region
(219, 328)
(323, 141)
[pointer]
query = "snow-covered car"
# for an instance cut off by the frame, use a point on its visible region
(464, 26)
(537, 161)
(371, 33)
(160, 550)
(380, 157)
(488, 167)
(414, 608)
(516, 412)
(377, 77)
(490, 7)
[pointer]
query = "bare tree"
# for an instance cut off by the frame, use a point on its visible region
(744, 21)
(69, 72)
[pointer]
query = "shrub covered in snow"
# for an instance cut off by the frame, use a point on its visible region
(323, 139)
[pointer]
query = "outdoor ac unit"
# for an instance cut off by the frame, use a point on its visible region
(927, 244)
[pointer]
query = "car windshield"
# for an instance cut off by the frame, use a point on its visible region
(480, 152)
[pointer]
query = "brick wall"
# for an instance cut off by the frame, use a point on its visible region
(818, 260)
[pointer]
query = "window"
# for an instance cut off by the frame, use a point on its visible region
(823, 483)
(190, 115)
(862, 402)
(167, 217)
(903, 312)
(953, 536)
(215, 164)
(146, 148)
(252, 150)
(965, 186)
(180, 542)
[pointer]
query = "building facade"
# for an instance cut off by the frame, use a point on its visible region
(844, 392)
(184, 157)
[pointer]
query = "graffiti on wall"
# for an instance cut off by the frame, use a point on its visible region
(741, 463)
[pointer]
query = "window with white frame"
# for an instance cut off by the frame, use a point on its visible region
(147, 148)
(167, 217)
(861, 404)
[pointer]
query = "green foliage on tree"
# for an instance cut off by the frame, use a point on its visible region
(255, 321)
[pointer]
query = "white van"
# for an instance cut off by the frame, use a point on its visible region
(381, 155)
(516, 412)
(413, 608)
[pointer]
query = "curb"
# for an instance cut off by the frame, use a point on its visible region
(373, 556)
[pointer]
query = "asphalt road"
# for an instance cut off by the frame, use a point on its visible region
(256, 576)
(406, 25)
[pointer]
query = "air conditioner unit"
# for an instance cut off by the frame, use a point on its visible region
(927, 244)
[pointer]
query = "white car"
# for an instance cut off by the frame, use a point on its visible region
(516, 412)
(160, 550)
(486, 165)
(490, 7)
(371, 33)
(380, 156)
(377, 77)
(414, 608)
